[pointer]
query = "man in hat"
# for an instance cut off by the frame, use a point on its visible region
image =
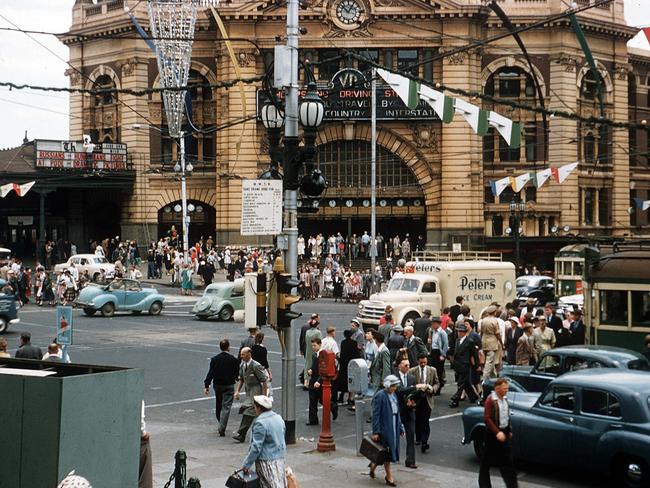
(465, 351)
(395, 342)
(438, 342)
(357, 334)
(422, 325)
(492, 345)
(577, 327)
(513, 333)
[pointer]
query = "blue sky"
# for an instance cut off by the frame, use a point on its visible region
(22, 60)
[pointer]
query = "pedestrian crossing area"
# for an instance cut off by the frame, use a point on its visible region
(180, 305)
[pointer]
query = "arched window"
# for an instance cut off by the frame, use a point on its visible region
(104, 111)
(510, 83)
(588, 86)
(346, 164)
(104, 82)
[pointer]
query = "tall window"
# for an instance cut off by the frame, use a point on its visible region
(328, 67)
(510, 83)
(104, 112)
(588, 89)
(407, 60)
(104, 82)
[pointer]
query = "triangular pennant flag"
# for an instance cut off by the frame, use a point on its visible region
(646, 30)
(641, 203)
(518, 182)
(475, 117)
(5, 189)
(562, 173)
(441, 104)
(499, 185)
(23, 189)
(510, 131)
(408, 90)
(541, 177)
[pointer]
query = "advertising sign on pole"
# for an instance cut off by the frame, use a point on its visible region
(64, 325)
(261, 209)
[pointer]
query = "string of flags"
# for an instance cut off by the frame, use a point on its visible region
(641, 203)
(21, 190)
(445, 107)
(559, 174)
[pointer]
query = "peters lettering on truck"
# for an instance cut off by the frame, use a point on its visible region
(435, 280)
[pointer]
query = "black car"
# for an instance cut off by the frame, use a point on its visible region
(561, 360)
(539, 288)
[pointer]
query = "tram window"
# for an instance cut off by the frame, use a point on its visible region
(578, 268)
(613, 307)
(567, 268)
(641, 308)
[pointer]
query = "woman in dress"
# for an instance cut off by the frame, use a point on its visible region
(267, 447)
(338, 284)
(301, 247)
(186, 280)
(387, 425)
(327, 280)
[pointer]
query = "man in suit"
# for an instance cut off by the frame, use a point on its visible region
(413, 345)
(26, 350)
(380, 365)
(552, 320)
(253, 376)
(427, 383)
(465, 349)
(315, 384)
(406, 396)
(454, 310)
(577, 328)
(421, 326)
(222, 373)
(438, 342)
(312, 333)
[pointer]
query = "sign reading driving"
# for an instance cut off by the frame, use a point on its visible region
(261, 209)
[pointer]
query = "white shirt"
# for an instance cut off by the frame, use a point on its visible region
(504, 410)
(403, 378)
(329, 344)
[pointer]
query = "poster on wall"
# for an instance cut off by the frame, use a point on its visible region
(261, 209)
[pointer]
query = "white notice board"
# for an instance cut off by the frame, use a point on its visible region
(261, 210)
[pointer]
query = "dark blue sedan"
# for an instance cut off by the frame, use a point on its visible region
(596, 420)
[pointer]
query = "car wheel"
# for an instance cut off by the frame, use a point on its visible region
(409, 319)
(478, 442)
(631, 473)
(155, 309)
(108, 310)
(89, 311)
(226, 313)
(4, 325)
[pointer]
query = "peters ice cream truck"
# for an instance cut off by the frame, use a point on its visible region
(434, 280)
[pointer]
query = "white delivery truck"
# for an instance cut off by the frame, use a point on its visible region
(480, 279)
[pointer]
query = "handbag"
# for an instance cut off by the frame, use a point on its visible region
(375, 452)
(292, 481)
(239, 479)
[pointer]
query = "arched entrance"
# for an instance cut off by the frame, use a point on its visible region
(202, 220)
(345, 207)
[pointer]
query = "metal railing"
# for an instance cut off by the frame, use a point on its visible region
(456, 256)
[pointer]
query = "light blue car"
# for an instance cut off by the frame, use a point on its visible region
(220, 300)
(119, 295)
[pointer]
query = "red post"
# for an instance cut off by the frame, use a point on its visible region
(327, 370)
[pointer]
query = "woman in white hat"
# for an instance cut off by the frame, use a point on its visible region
(387, 425)
(267, 448)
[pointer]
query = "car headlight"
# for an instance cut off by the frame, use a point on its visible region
(360, 307)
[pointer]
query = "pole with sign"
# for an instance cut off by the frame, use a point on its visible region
(64, 329)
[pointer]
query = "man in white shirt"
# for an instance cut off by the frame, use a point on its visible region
(329, 341)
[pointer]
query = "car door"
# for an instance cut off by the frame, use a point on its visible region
(117, 289)
(548, 368)
(600, 412)
(430, 295)
(237, 298)
(548, 435)
(133, 294)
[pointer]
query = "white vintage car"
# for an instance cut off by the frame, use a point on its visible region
(94, 264)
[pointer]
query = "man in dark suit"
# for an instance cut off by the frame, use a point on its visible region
(421, 326)
(414, 345)
(223, 374)
(577, 328)
(454, 310)
(552, 320)
(26, 350)
(427, 384)
(406, 396)
(465, 350)
(315, 387)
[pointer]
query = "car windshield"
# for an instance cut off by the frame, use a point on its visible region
(100, 260)
(220, 292)
(525, 282)
(403, 284)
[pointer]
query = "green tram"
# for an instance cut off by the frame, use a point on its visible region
(616, 290)
(569, 268)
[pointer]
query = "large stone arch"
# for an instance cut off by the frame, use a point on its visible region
(604, 74)
(100, 71)
(170, 195)
(393, 142)
(512, 62)
(196, 66)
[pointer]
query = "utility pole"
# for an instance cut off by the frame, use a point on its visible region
(290, 223)
(186, 222)
(373, 176)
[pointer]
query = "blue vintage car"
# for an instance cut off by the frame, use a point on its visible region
(118, 295)
(8, 309)
(593, 420)
(220, 300)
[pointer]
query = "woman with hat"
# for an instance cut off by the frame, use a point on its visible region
(267, 447)
(387, 425)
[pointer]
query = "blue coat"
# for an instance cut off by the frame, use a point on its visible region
(388, 427)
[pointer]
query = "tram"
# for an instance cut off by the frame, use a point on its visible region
(616, 289)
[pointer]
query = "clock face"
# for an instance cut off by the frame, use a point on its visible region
(348, 12)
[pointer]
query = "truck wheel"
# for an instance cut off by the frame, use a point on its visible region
(478, 443)
(226, 313)
(155, 309)
(89, 311)
(409, 319)
(630, 473)
(4, 325)
(108, 310)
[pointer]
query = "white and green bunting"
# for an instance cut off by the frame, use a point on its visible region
(445, 107)
(559, 174)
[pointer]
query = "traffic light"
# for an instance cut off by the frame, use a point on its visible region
(285, 283)
(260, 291)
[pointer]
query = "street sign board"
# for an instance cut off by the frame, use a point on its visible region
(64, 325)
(261, 210)
(74, 155)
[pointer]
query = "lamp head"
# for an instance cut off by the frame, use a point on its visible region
(312, 108)
(272, 117)
(313, 184)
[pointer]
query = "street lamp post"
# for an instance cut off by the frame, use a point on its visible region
(517, 213)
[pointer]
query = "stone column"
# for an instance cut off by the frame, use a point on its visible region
(620, 144)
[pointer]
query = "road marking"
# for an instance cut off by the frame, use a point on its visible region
(193, 400)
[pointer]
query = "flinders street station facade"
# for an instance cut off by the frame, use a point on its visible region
(433, 179)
